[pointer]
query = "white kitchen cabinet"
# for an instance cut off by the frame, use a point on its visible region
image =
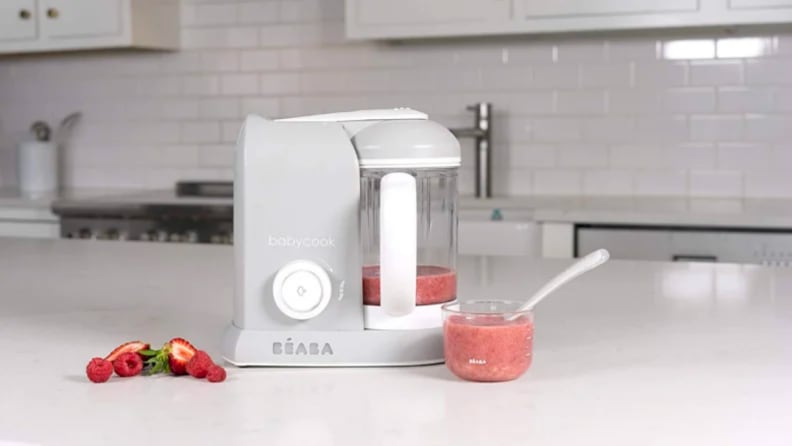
(407, 18)
(17, 20)
(67, 19)
(558, 8)
(392, 19)
(59, 25)
(755, 4)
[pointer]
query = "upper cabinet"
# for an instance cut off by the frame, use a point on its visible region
(58, 25)
(400, 19)
(16, 20)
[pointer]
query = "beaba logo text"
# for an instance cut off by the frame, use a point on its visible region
(301, 348)
(301, 242)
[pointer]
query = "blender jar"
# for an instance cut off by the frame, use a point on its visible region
(408, 214)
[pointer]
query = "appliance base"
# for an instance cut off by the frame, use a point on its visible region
(342, 348)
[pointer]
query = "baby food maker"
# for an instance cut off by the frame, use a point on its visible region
(345, 240)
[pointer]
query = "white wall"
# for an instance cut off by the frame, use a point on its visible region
(597, 115)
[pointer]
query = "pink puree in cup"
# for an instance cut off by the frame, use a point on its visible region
(433, 285)
(488, 347)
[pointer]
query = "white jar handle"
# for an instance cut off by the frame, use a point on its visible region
(398, 243)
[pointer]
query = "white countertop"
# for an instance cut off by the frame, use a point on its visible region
(631, 354)
(678, 211)
(664, 211)
(16, 205)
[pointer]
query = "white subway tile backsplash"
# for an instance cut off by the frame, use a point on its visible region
(768, 184)
(518, 181)
(656, 182)
(581, 101)
(783, 99)
(529, 53)
(259, 60)
(633, 49)
(239, 84)
(556, 129)
(660, 74)
(230, 131)
(279, 84)
(557, 182)
(258, 12)
(266, 107)
(506, 78)
(221, 155)
(717, 128)
(581, 50)
(219, 61)
(743, 156)
(532, 155)
(555, 76)
(608, 129)
(214, 14)
(687, 100)
(691, 156)
(661, 129)
(768, 127)
(745, 99)
(200, 85)
(630, 156)
(607, 182)
(200, 132)
(582, 155)
(699, 114)
(219, 108)
(633, 101)
(279, 35)
(716, 72)
(605, 75)
(768, 71)
(716, 183)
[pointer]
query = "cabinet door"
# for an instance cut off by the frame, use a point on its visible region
(17, 20)
(80, 18)
(572, 8)
(759, 4)
(409, 13)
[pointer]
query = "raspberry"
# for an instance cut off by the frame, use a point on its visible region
(128, 364)
(198, 366)
(216, 374)
(99, 370)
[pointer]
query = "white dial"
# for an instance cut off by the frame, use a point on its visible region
(302, 289)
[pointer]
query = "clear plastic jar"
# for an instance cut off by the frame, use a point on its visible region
(487, 340)
(435, 232)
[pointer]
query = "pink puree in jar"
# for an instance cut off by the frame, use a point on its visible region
(433, 285)
(488, 348)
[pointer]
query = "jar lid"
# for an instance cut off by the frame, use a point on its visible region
(406, 143)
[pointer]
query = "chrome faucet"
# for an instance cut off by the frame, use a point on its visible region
(482, 132)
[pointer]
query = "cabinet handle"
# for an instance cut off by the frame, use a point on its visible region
(52, 13)
(24, 14)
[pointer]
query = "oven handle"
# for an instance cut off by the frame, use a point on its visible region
(694, 258)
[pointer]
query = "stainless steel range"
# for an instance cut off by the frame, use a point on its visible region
(193, 212)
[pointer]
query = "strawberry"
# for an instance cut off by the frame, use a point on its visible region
(216, 374)
(128, 364)
(99, 370)
(172, 357)
(180, 354)
(127, 347)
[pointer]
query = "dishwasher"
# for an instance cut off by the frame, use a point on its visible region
(762, 246)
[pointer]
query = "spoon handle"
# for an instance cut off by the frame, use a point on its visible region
(583, 265)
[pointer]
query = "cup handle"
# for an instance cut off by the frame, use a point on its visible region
(398, 243)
